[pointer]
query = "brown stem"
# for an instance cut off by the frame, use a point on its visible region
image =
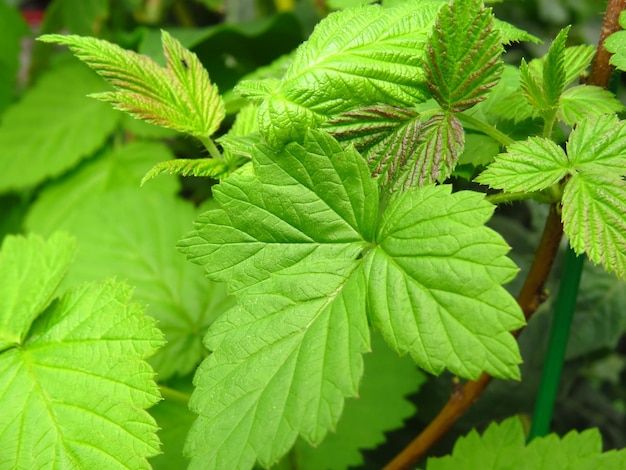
(529, 299)
(600, 68)
(532, 294)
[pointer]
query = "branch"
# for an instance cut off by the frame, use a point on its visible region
(601, 70)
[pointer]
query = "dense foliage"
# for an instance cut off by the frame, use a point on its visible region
(270, 244)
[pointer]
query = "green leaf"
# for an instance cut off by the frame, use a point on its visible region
(53, 127)
(208, 167)
(598, 144)
(298, 242)
(257, 233)
(582, 101)
(380, 407)
(510, 34)
(616, 43)
(174, 419)
(239, 141)
(441, 141)
(79, 368)
(422, 295)
(594, 205)
(179, 96)
(531, 165)
(463, 52)
(122, 167)
(576, 60)
(12, 29)
(600, 319)
(126, 233)
(354, 58)
(554, 69)
(502, 447)
(31, 270)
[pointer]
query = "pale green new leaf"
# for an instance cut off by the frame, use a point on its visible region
(354, 58)
(381, 406)
(502, 447)
(594, 205)
(441, 299)
(531, 165)
(207, 167)
(441, 142)
(73, 391)
(295, 240)
(131, 234)
(554, 69)
(581, 101)
(44, 264)
(576, 60)
(53, 127)
(463, 52)
(179, 96)
(598, 144)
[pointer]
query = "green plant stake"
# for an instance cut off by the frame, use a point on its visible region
(559, 335)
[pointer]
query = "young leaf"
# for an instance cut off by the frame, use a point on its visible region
(598, 144)
(462, 60)
(79, 367)
(354, 58)
(298, 242)
(208, 167)
(179, 96)
(53, 127)
(531, 165)
(594, 205)
(554, 74)
(441, 141)
(502, 446)
(583, 101)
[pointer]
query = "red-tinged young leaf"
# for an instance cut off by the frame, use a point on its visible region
(462, 60)
(179, 96)
(441, 142)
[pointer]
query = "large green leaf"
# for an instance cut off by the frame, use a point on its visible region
(300, 243)
(462, 60)
(502, 447)
(74, 387)
(53, 127)
(380, 407)
(131, 234)
(356, 57)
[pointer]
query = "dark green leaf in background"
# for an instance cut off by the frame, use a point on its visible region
(12, 29)
(53, 127)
